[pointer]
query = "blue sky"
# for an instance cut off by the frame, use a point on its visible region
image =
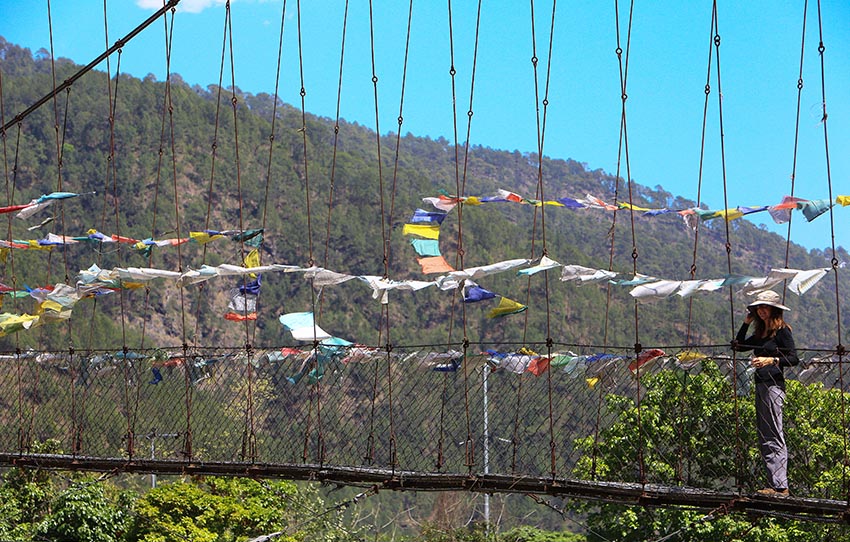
(760, 63)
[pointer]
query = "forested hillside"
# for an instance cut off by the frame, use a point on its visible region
(178, 159)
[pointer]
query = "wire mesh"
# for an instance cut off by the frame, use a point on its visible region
(422, 410)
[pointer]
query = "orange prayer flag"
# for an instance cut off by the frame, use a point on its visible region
(434, 264)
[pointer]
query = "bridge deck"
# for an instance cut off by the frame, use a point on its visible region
(823, 510)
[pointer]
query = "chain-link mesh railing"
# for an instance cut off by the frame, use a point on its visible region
(473, 410)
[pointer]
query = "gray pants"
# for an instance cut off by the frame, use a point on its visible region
(769, 401)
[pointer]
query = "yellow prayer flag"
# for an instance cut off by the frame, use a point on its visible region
(203, 237)
(33, 244)
(690, 356)
(49, 305)
(132, 285)
(624, 205)
(592, 382)
(428, 231)
(506, 306)
(843, 200)
(252, 259)
(472, 200)
(14, 322)
(731, 214)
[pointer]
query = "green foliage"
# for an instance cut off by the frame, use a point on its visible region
(703, 408)
(477, 532)
(85, 511)
(531, 534)
(231, 509)
(432, 533)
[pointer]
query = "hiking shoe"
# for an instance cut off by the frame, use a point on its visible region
(770, 492)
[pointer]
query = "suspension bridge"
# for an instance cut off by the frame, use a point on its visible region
(648, 424)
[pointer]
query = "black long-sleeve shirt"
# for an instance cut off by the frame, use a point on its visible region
(781, 346)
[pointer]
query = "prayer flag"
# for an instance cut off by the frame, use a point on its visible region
(427, 231)
(203, 237)
(473, 293)
(434, 264)
(644, 358)
(423, 216)
(426, 247)
(302, 326)
(538, 366)
(506, 307)
(814, 208)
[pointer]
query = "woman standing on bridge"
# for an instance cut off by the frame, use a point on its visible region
(773, 349)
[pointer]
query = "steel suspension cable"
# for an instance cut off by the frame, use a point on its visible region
(234, 102)
(840, 350)
(469, 114)
(707, 92)
(111, 175)
(213, 156)
(131, 402)
(637, 345)
(738, 440)
(370, 441)
(249, 436)
(387, 242)
(696, 225)
(469, 445)
(59, 137)
(400, 122)
(59, 140)
(540, 195)
(796, 133)
(612, 231)
(170, 5)
(10, 192)
(533, 253)
(169, 108)
(276, 101)
(336, 137)
(167, 33)
(316, 390)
